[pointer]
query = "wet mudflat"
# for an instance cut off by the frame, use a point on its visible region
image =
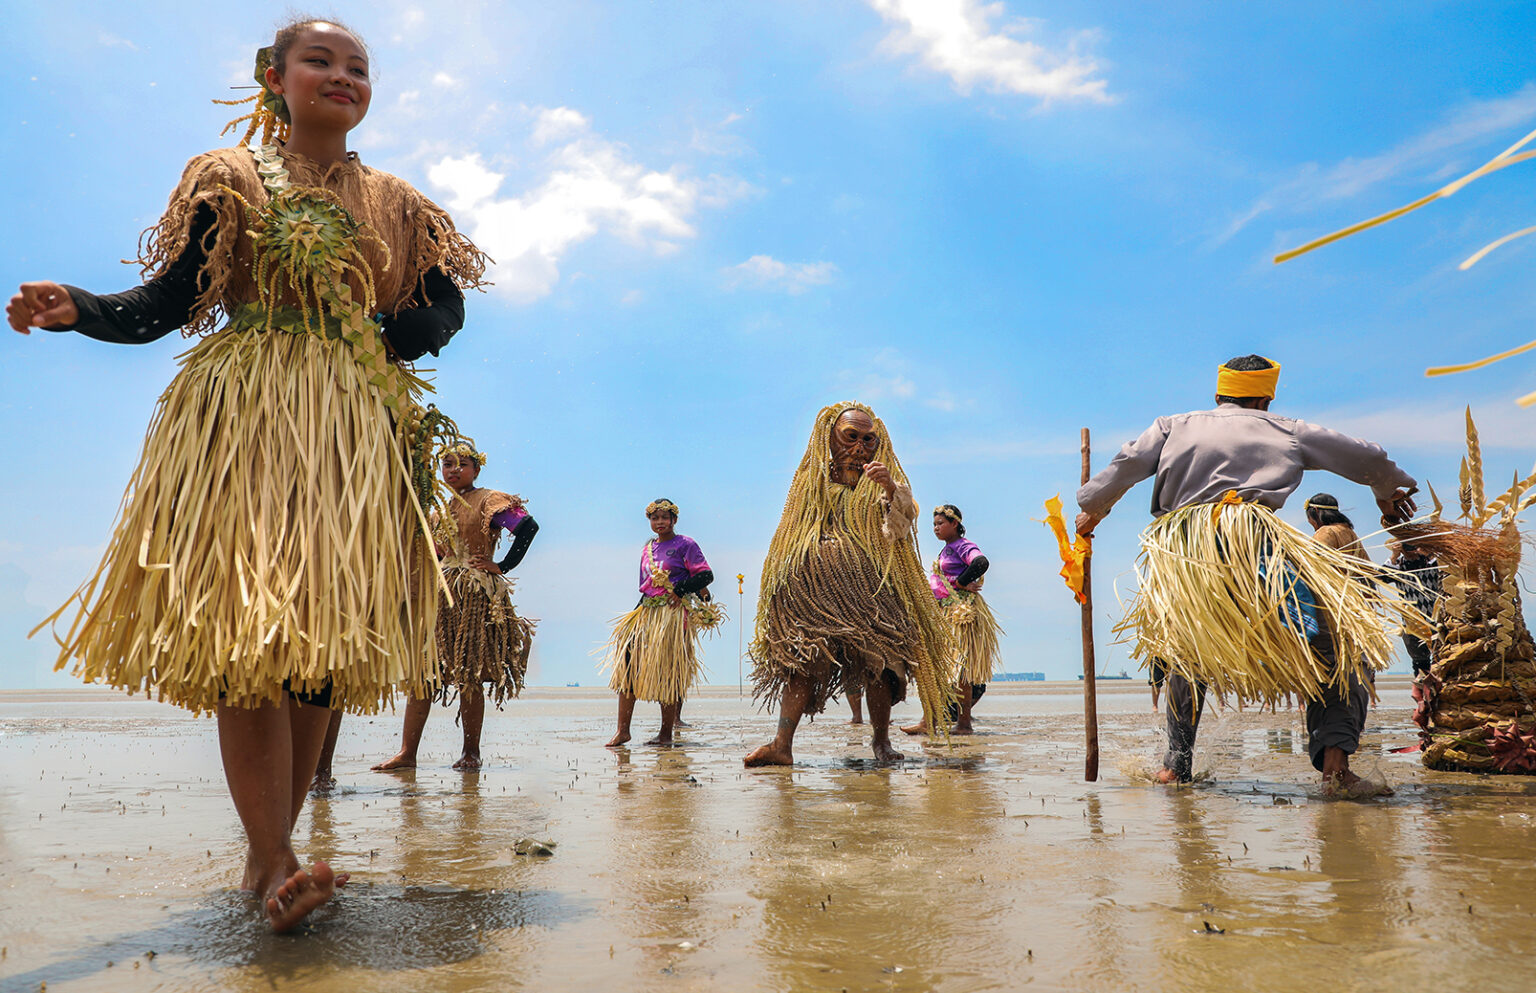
(986, 866)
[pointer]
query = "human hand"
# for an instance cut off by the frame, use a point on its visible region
(484, 564)
(880, 474)
(1085, 524)
(1398, 507)
(974, 586)
(40, 305)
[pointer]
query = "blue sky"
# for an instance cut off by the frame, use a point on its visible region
(996, 223)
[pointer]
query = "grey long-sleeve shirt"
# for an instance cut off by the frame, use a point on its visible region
(1197, 457)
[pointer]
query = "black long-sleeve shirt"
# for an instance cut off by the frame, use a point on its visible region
(973, 571)
(148, 312)
(522, 537)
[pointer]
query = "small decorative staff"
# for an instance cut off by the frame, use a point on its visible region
(1090, 690)
(1076, 552)
(741, 626)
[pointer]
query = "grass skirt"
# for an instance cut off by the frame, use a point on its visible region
(1219, 602)
(653, 653)
(481, 640)
(837, 623)
(976, 631)
(268, 540)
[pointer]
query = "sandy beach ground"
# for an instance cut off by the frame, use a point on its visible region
(987, 866)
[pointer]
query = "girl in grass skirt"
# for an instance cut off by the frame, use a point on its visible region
(956, 581)
(653, 653)
(270, 561)
(482, 643)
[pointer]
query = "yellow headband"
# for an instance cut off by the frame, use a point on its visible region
(1247, 383)
(656, 505)
(948, 510)
(466, 451)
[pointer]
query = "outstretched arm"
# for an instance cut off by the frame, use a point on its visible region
(1137, 461)
(1362, 462)
(134, 317)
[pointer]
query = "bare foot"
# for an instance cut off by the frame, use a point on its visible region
(964, 728)
(617, 740)
(1348, 786)
(682, 723)
(855, 720)
(405, 760)
(1167, 777)
(915, 729)
(885, 753)
(662, 738)
(299, 894)
(467, 763)
(324, 783)
(769, 754)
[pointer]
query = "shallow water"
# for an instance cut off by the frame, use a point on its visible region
(986, 866)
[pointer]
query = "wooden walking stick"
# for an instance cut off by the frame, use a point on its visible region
(1090, 691)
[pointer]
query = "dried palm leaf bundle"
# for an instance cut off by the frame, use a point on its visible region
(840, 592)
(1225, 595)
(1510, 156)
(1476, 707)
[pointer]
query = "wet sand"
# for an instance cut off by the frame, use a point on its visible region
(988, 866)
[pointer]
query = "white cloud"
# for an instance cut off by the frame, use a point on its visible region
(107, 40)
(558, 122)
(589, 185)
(446, 81)
(632, 298)
(956, 38)
(767, 272)
(1424, 156)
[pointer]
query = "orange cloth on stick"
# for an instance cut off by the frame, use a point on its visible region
(1073, 552)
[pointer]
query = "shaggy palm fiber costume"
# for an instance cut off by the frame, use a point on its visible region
(481, 640)
(653, 652)
(843, 599)
(273, 536)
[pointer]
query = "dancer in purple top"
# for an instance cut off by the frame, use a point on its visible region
(956, 582)
(653, 652)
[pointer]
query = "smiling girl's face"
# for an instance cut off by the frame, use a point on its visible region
(323, 79)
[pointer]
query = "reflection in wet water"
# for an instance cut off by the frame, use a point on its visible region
(985, 866)
(377, 928)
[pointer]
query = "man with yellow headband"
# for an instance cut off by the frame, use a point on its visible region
(1219, 572)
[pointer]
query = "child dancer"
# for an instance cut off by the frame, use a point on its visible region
(654, 650)
(268, 563)
(480, 639)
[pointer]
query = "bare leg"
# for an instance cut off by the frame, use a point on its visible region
(416, 712)
(472, 716)
(269, 755)
(668, 720)
(324, 781)
(780, 751)
(879, 699)
(678, 722)
(963, 725)
(626, 714)
(856, 704)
